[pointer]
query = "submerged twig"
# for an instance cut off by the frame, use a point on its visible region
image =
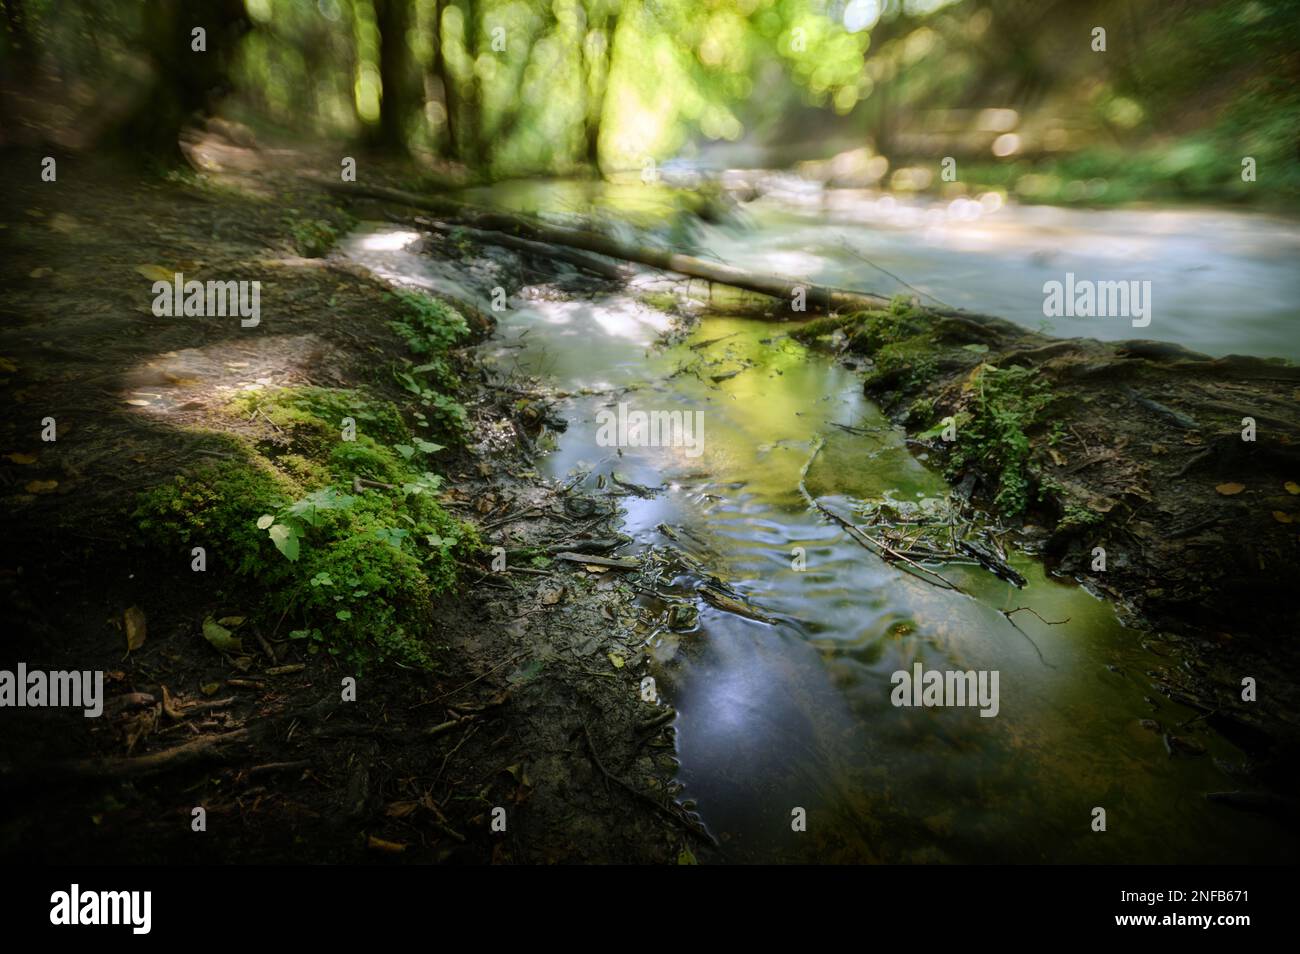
(1008, 615)
(881, 549)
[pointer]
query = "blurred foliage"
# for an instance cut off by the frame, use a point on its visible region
(1013, 90)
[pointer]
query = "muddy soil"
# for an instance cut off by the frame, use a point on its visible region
(534, 705)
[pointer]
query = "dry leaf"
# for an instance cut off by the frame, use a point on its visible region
(1230, 488)
(617, 660)
(41, 486)
(134, 622)
(401, 809)
(156, 273)
(18, 458)
(1282, 517)
(388, 847)
(1291, 486)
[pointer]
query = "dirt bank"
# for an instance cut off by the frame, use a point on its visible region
(1135, 449)
(530, 700)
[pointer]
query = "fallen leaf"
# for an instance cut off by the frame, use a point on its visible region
(1282, 517)
(41, 486)
(1291, 486)
(40, 272)
(134, 621)
(18, 458)
(136, 402)
(551, 597)
(220, 637)
(232, 621)
(1230, 488)
(156, 273)
(388, 847)
(617, 660)
(209, 688)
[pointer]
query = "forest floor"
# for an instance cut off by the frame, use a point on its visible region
(524, 716)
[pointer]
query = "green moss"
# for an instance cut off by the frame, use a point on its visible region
(1077, 519)
(821, 327)
(662, 301)
(216, 506)
(993, 433)
(321, 412)
(920, 412)
(307, 472)
(356, 572)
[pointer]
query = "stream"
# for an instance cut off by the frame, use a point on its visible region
(797, 714)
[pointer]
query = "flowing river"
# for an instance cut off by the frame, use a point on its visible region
(798, 714)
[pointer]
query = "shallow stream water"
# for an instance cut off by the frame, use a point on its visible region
(798, 714)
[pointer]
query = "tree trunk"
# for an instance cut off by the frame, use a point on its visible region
(391, 16)
(596, 109)
(450, 101)
(185, 81)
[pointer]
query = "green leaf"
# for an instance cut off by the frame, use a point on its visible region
(393, 536)
(265, 521)
(220, 637)
(344, 615)
(285, 539)
(406, 450)
(429, 447)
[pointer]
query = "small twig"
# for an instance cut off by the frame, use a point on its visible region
(1007, 614)
(685, 822)
(453, 692)
(1030, 609)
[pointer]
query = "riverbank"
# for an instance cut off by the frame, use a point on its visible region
(498, 716)
(1162, 478)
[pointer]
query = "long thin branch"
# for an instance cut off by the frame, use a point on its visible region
(785, 289)
(881, 549)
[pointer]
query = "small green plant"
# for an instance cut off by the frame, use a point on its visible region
(356, 571)
(313, 238)
(445, 414)
(1008, 402)
(428, 325)
(1077, 519)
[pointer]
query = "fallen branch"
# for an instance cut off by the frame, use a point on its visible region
(881, 549)
(731, 604)
(598, 266)
(200, 749)
(617, 563)
(784, 289)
